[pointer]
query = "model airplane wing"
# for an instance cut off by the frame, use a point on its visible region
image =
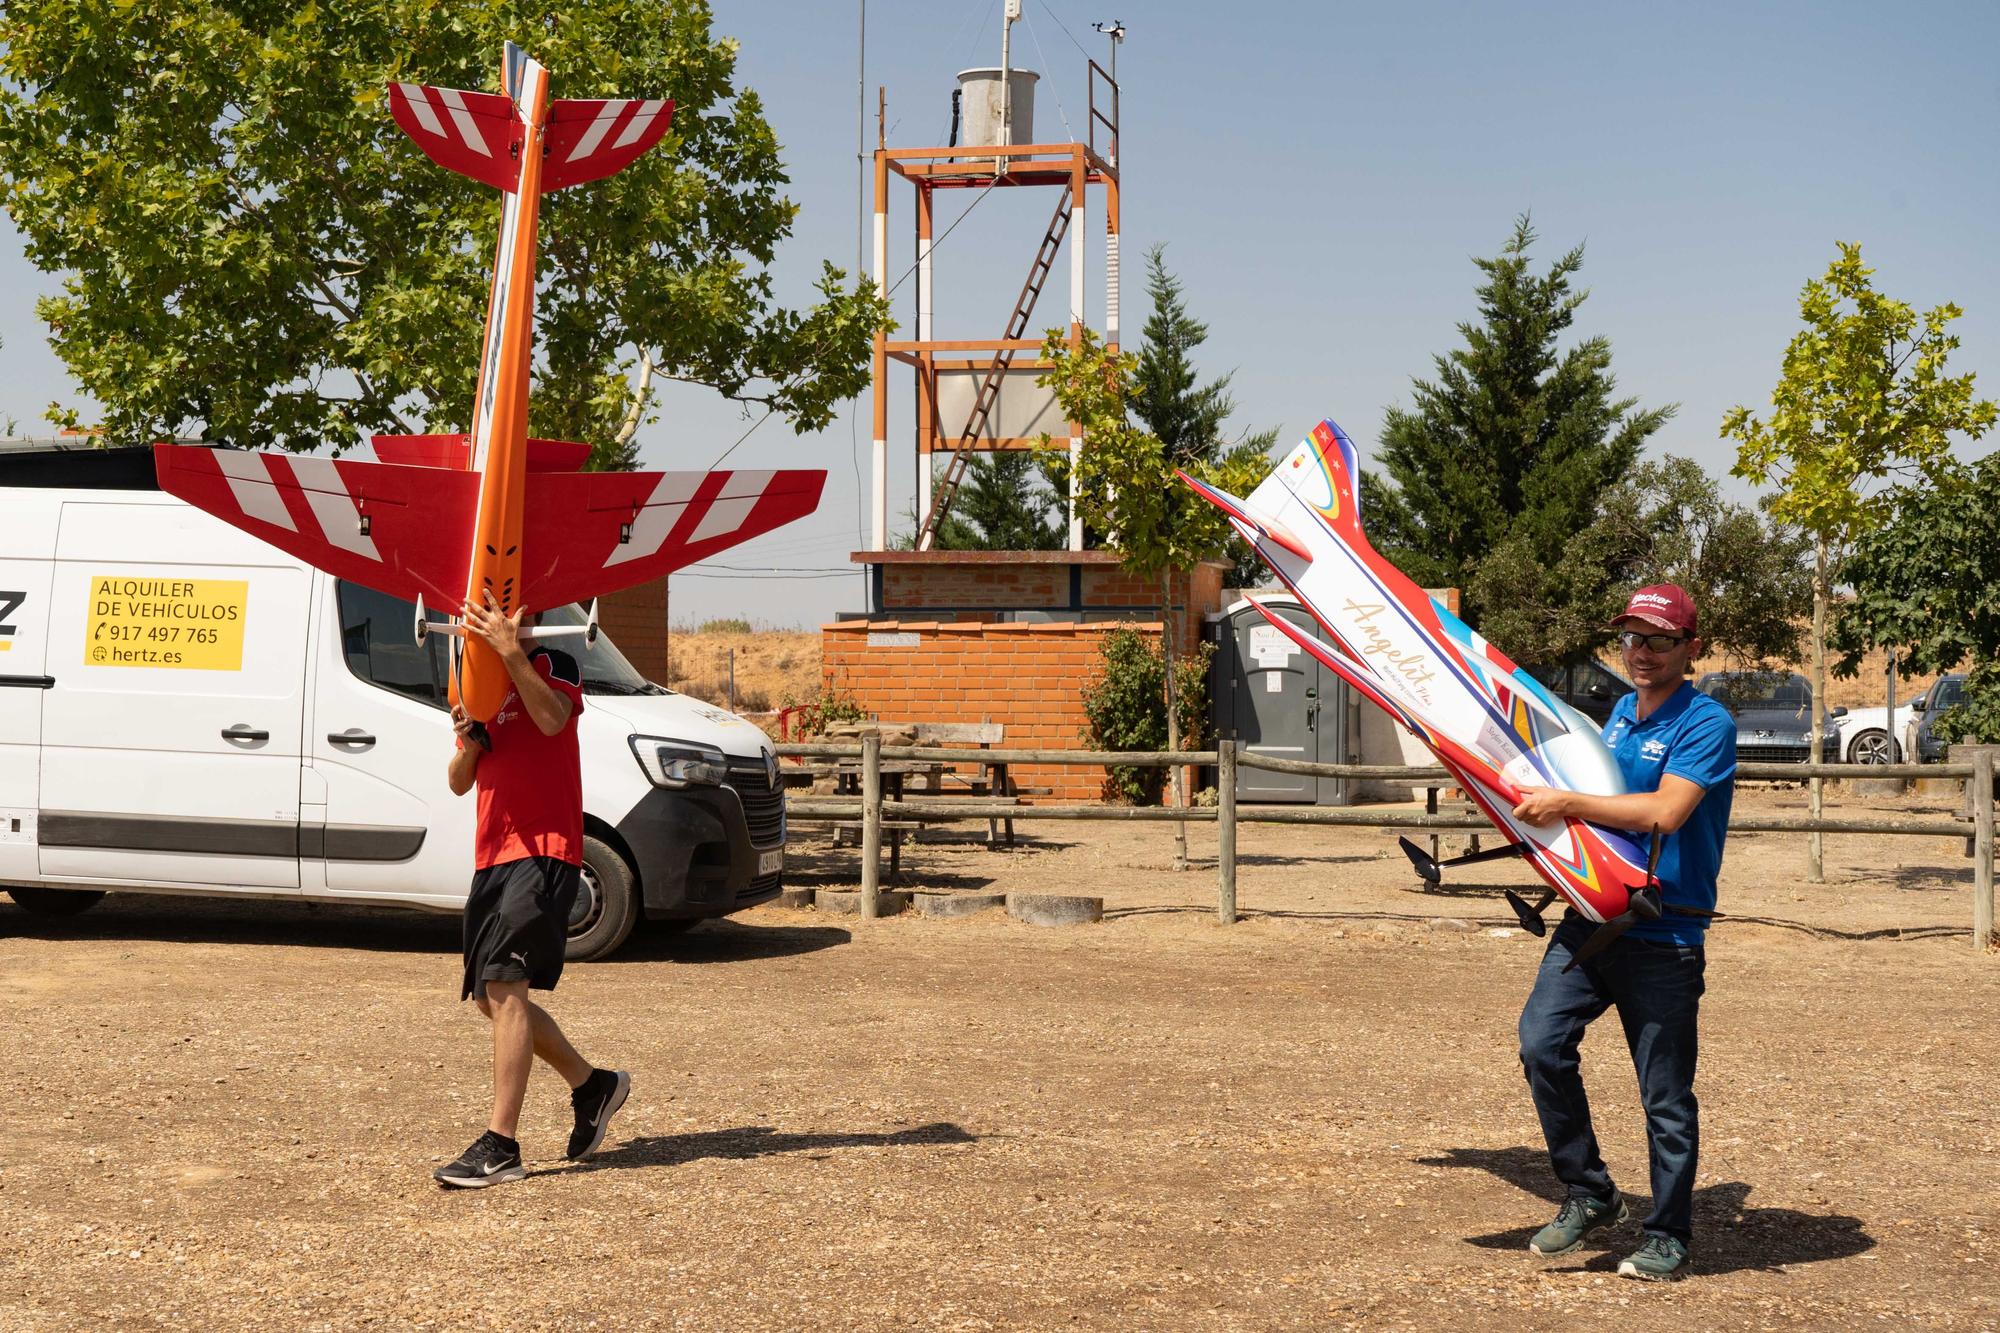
(398, 529)
(1493, 726)
(596, 532)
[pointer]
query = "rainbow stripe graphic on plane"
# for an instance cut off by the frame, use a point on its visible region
(1494, 727)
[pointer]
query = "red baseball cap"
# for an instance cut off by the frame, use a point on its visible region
(1666, 605)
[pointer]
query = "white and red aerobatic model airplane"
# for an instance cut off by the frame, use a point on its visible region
(445, 519)
(1492, 725)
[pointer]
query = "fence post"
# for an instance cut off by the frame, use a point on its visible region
(1225, 829)
(871, 825)
(1982, 848)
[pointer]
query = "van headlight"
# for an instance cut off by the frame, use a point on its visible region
(672, 763)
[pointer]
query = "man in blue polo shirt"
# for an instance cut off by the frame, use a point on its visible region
(1677, 750)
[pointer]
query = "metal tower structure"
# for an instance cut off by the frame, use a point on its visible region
(978, 394)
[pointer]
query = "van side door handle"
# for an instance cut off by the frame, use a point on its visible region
(352, 736)
(239, 732)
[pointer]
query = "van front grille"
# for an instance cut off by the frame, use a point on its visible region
(763, 804)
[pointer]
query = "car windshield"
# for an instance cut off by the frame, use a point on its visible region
(1744, 690)
(1947, 693)
(605, 670)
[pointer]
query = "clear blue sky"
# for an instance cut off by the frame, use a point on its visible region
(1322, 174)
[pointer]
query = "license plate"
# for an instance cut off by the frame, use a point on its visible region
(770, 863)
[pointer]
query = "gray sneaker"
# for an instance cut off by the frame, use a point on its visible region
(1576, 1219)
(1657, 1257)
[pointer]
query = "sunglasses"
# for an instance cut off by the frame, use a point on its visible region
(1659, 643)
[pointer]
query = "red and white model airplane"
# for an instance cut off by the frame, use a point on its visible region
(446, 519)
(1492, 725)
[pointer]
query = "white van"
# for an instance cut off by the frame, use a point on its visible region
(185, 709)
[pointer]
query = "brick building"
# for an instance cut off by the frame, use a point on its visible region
(1003, 636)
(636, 620)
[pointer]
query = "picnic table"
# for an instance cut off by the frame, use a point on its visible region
(902, 777)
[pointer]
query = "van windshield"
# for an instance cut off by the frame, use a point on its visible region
(605, 670)
(378, 639)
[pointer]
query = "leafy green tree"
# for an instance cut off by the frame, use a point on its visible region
(1924, 587)
(1189, 417)
(253, 251)
(1126, 708)
(1510, 449)
(1126, 488)
(1862, 398)
(1667, 522)
(1001, 506)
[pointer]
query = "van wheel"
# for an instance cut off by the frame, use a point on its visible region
(607, 904)
(56, 902)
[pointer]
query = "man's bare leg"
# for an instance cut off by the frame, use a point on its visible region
(522, 1030)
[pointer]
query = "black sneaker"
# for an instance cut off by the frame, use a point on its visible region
(595, 1103)
(1576, 1219)
(488, 1161)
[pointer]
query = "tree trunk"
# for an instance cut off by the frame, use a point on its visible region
(1176, 774)
(629, 425)
(1815, 842)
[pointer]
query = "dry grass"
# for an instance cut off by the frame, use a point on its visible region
(773, 667)
(1314, 1120)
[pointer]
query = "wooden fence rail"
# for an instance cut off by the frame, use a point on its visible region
(1977, 827)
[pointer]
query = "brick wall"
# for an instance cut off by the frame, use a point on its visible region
(1024, 585)
(636, 620)
(1028, 678)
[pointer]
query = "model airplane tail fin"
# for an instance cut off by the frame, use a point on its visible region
(1323, 473)
(592, 138)
(473, 134)
(480, 134)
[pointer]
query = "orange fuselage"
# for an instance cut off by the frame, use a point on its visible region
(500, 417)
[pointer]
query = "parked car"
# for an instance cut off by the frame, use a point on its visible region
(1949, 690)
(1866, 735)
(1590, 687)
(1773, 712)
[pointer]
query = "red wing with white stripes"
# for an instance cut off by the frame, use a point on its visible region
(589, 533)
(479, 134)
(406, 531)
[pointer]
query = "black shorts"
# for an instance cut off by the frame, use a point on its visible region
(517, 922)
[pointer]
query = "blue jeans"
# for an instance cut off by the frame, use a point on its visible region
(1657, 990)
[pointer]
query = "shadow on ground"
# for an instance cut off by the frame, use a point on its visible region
(750, 1141)
(726, 941)
(144, 916)
(1730, 1236)
(138, 917)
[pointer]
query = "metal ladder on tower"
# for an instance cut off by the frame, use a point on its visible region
(988, 397)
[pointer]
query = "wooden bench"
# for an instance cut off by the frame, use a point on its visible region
(992, 780)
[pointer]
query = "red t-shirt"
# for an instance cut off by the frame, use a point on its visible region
(531, 784)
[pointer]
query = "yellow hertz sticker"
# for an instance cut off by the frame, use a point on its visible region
(186, 624)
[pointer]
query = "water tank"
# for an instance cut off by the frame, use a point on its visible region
(980, 115)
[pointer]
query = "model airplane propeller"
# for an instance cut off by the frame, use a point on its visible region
(448, 519)
(1493, 726)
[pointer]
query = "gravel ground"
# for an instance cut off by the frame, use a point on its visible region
(224, 1114)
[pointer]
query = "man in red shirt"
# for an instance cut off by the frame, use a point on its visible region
(527, 857)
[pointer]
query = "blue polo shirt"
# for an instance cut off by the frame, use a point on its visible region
(1693, 737)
